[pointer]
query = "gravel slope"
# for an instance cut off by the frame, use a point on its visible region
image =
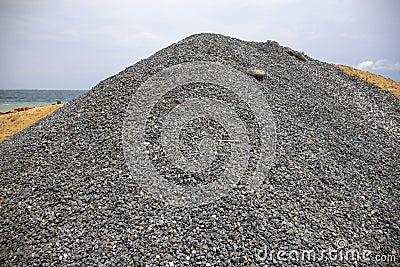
(68, 197)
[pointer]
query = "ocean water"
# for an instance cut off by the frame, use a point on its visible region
(11, 99)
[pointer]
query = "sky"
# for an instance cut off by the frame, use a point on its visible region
(75, 44)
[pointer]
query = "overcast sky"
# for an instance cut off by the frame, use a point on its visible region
(75, 44)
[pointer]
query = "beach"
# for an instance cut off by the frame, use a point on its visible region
(14, 122)
(19, 108)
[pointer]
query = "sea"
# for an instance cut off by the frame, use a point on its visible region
(16, 98)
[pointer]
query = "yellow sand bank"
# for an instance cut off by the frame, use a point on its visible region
(14, 122)
(385, 84)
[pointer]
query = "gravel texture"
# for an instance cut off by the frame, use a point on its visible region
(68, 197)
(173, 138)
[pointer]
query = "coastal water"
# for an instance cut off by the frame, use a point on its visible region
(11, 99)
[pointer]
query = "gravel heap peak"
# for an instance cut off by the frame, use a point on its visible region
(69, 196)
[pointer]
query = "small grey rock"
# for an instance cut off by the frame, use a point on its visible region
(257, 73)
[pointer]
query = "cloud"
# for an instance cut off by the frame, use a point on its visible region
(365, 64)
(381, 64)
(101, 36)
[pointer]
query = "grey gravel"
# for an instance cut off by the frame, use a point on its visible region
(69, 198)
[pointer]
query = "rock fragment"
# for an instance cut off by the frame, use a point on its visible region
(257, 73)
(299, 55)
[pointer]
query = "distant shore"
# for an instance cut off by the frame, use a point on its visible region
(24, 108)
(11, 99)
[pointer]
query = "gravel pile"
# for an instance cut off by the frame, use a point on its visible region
(69, 196)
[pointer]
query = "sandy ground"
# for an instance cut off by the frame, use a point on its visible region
(14, 122)
(386, 84)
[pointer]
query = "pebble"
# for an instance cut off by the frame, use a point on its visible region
(257, 73)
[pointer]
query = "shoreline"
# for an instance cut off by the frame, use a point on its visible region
(24, 108)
